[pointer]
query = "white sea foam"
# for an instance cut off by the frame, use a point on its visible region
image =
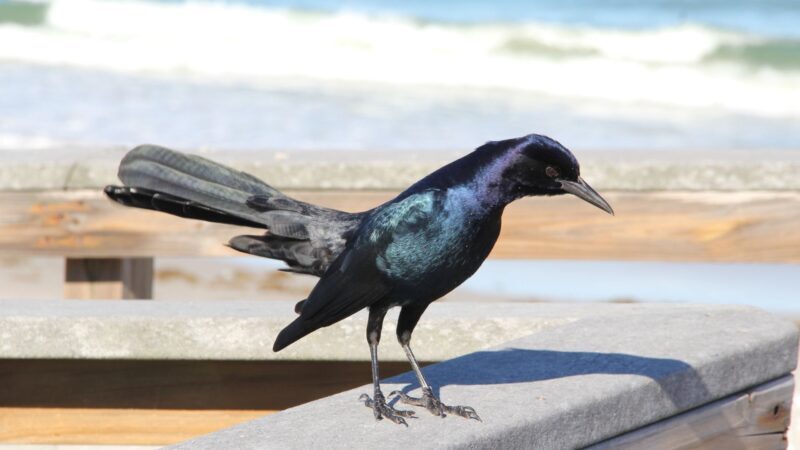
(670, 67)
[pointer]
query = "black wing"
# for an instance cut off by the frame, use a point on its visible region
(349, 285)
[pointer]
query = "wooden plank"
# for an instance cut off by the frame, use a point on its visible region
(662, 226)
(149, 384)
(109, 278)
(757, 419)
(106, 426)
(157, 402)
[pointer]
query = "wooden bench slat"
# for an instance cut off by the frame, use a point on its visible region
(662, 226)
(142, 402)
(175, 384)
(106, 426)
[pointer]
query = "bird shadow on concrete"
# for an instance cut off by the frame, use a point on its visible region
(679, 380)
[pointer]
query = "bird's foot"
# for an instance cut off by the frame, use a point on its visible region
(435, 406)
(381, 409)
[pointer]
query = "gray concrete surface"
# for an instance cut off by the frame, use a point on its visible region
(245, 330)
(87, 168)
(603, 371)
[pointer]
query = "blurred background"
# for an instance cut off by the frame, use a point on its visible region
(685, 115)
(422, 77)
(320, 74)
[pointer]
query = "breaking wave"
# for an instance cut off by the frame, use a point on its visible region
(688, 66)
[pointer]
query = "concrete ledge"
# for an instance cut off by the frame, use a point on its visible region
(242, 330)
(730, 170)
(606, 370)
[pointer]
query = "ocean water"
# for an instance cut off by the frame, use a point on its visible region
(367, 74)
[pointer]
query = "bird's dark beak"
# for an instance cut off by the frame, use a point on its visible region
(582, 190)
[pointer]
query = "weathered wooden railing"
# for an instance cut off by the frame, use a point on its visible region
(671, 206)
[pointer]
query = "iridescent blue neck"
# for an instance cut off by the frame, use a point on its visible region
(480, 174)
(491, 185)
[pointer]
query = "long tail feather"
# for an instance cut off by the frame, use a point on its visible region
(158, 201)
(307, 237)
(195, 179)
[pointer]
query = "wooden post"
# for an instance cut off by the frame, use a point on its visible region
(109, 278)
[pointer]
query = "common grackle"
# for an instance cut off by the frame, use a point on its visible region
(406, 252)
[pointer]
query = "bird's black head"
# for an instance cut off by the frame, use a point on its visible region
(538, 165)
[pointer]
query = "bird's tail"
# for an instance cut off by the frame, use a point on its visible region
(188, 186)
(299, 233)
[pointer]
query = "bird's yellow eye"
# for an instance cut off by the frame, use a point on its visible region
(551, 172)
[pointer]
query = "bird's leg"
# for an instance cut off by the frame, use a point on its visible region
(406, 322)
(378, 402)
(428, 400)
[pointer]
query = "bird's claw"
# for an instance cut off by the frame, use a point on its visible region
(435, 406)
(381, 409)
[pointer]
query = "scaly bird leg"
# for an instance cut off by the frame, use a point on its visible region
(378, 402)
(428, 400)
(409, 316)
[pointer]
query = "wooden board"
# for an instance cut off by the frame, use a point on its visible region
(113, 426)
(175, 384)
(753, 420)
(158, 402)
(662, 226)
